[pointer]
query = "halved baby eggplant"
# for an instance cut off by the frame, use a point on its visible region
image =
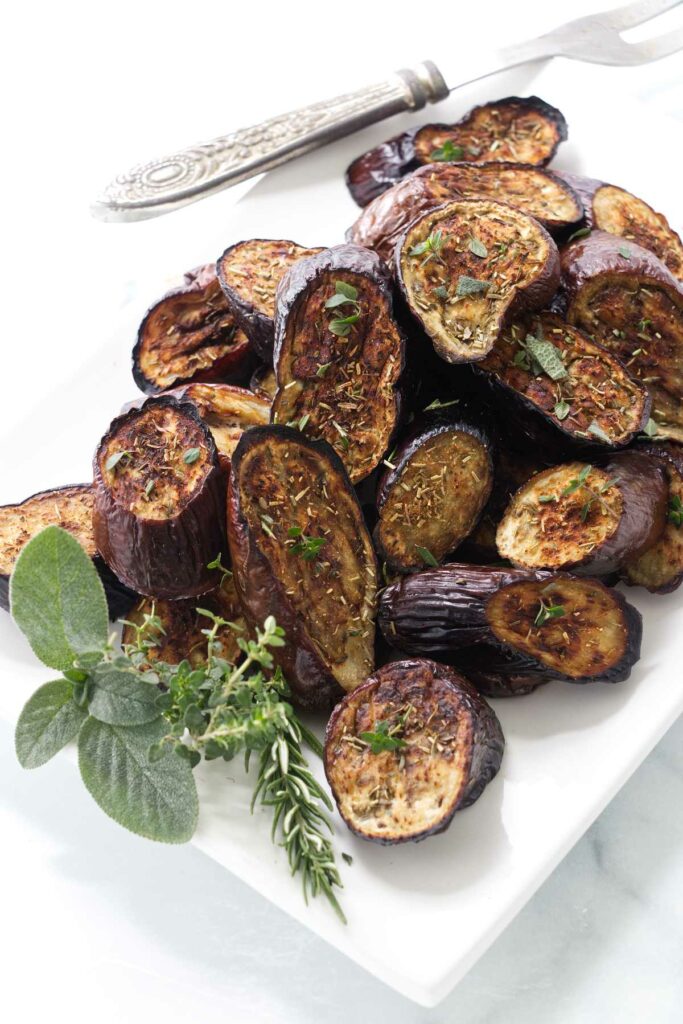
(70, 507)
(524, 130)
(159, 515)
(467, 266)
(300, 551)
(249, 273)
(339, 354)
(500, 672)
(555, 370)
(629, 302)
(536, 192)
(227, 411)
(433, 497)
(408, 749)
(613, 209)
(190, 335)
(584, 517)
(660, 568)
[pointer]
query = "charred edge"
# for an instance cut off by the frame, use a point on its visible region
(659, 569)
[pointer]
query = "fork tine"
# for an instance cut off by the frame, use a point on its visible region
(658, 46)
(635, 13)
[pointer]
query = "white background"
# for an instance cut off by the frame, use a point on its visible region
(99, 924)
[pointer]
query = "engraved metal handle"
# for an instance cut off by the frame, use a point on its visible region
(159, 186)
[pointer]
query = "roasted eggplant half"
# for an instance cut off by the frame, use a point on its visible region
(191, 335)
(300, 551)
(71, 508)
(159, 513)
(339, 355)
(227, 411)
(660, 568)
(536, 192)
(408, 749)
(628, 301)
(585, 517)
(499, 672)
(264, 382)
(524, 130)
(249, 273)
(434, 494)
(467, 266)
(555, 370)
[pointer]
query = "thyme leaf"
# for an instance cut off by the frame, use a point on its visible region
(449, 151)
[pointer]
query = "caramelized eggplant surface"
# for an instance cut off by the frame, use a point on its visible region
(339, 354)
(466, 266)
(524, 130)
(264, 382)
(408, 749)
(660, 568)
(628, 301)
(227, 411)
(301, 551)
(249, 273)
(536, 192)
(433, 497)
(555, 370)
(590, 518)
(190, 335)
(70, 507)
(159, 513)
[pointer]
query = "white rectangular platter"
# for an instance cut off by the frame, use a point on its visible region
(419, 916)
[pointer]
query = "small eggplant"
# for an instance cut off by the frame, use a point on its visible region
(660, 568)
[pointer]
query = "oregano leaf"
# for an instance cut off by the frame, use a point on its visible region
(122, 698)
(49, 720)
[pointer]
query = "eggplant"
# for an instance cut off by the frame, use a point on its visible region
(433, 493)
(660, 567)
(519, 129)
(300, 551)
(339, 354)
(590, 518)
(159, 511)
(264, 382)
(628, 301)
(70, 507)
(556, 371)
(408, 749)
(497, 672)
(613, 209)
(539, 193)
(249, 273)
(467, 266)
(190, 335)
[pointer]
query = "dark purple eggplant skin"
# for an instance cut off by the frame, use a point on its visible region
(598, 253)
(376, 170)
(498, 673)
(163, 558)
(666, 455)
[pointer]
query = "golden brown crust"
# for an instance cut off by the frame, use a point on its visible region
(68, 507)
(227, 411)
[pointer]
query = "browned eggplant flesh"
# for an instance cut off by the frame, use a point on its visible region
(339, 355)
(660, 568)
(301, 551)
(264, 382)
(408, 749)
(467, 265)
(629, 302)
(433, 496)
(190, 335)
(590, 518)
(159, 515)
(556, 370)
(523, 130)
(227, 411)
(249, 273)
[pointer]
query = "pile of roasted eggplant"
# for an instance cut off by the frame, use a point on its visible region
(463, 425)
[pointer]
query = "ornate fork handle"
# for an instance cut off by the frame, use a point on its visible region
(161, 185)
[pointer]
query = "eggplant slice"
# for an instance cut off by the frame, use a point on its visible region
(577, 385)
(190, 335)
(264, 382)
(408, 749)
(339, 355)
(468, 265)
(660, 568)
(524, 130)
(628, 301)
(433, 497)
(159, 515)
(70, 507)
(227, 411)
(249, 273)
(589, 518)
(536, 192)
(300, 551)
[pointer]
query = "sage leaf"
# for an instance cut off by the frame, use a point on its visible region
(154, 799)
(547, 356)
(471, 286)
(57, 599)
(122, 698)
(49, 720)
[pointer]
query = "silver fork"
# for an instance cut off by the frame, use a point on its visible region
(162, 185)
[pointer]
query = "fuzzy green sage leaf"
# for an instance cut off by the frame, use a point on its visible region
(50, 719)
(547, 356)
(120, 697)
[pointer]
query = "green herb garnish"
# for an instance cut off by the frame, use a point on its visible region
(561, 409)
(341, 326)
(470, 286)
(449, 151)
(347, 858)
(441, 292)
(595, 429)
(217, 563)
(191, 455)
(383, 737)
(438, 404)
(344, 294)
(149, 487)
(581, 233)
(322, 369)
(623, 251)
(308, 547)
(477, 247)
(426, 556)
(548, 357)
(650, 429)
(547, 612)
(113, 460)
(577, 482)
(432, 246)
(675, 511)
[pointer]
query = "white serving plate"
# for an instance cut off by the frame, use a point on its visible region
(419, 916)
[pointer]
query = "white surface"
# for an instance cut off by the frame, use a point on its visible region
(109, 910)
